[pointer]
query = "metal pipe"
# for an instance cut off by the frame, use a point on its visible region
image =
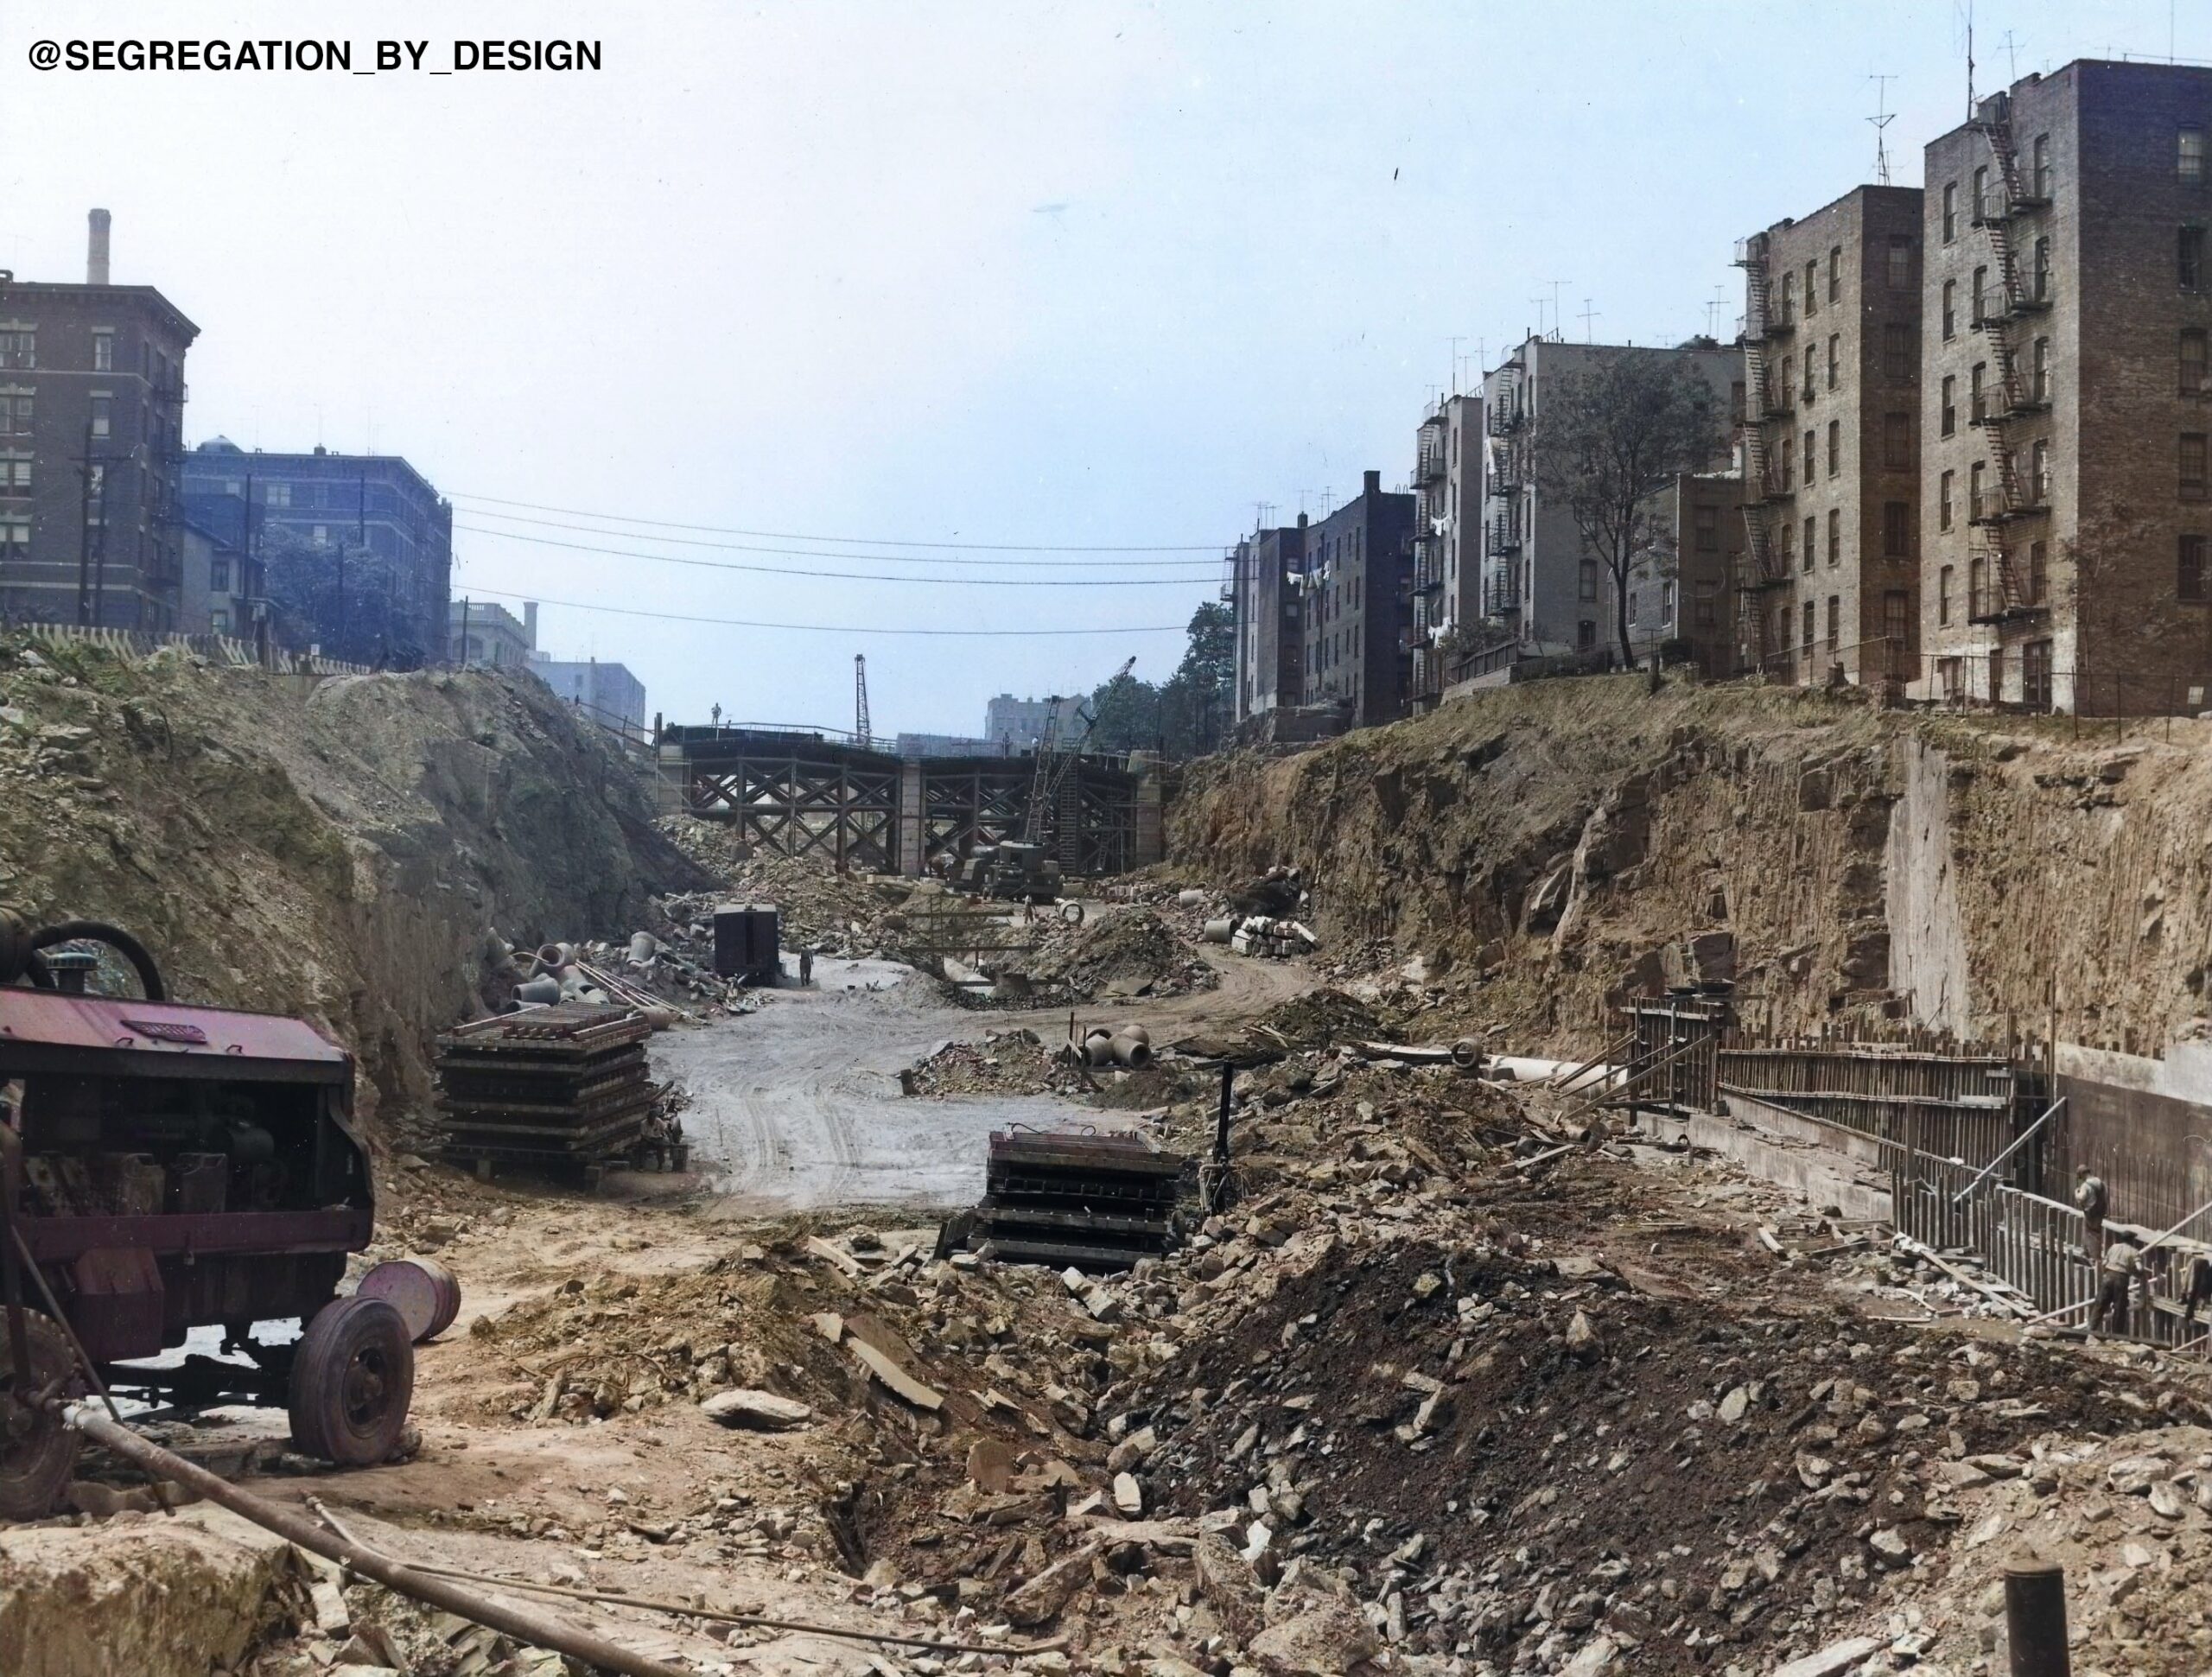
(2010, 1150)
(525, 1626)
(98, 932)
(2035, 1618)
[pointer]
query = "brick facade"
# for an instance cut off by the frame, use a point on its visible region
(1358, 605)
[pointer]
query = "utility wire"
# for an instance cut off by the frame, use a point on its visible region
(823, 628)
(855, 541)
(1193, 565)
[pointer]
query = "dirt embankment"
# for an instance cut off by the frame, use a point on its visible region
(1562, 841)
(341, 848)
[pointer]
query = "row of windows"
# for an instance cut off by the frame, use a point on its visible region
(1897, 272)
(1979, 503)
(19, 352)
(1979, 576)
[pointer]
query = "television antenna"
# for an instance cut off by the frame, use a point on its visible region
(1881, 118)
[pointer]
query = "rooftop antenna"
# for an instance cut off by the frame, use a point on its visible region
(1588, 315)
(2012, 56)
(1714, 304)
(1557, 286)
(1455, 343)
(1969, 9)
(1881, 118)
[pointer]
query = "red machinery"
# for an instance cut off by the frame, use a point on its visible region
(162, 1167)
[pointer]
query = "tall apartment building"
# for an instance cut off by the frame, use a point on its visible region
(1832, 441)
(1022, 720)
(1448, 460)
(92, 425)
(2067, 400)
(376, 502)
(1264, 595)
(1680, 598)
(1358, 605)
(1538, 577)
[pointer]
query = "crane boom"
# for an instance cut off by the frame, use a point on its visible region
(860, 700)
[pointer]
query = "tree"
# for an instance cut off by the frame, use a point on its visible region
(344, 599)
(1607, 440)
(1127, 713)
(1196, 702)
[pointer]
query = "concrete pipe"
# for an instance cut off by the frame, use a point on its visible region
(643, 947)
(541, 991)
(1191, 898)
(1136, 1032)
(1132, 1051)
(1220, 930)
(1098, 1049)
(1467, 1054)
(550, 954)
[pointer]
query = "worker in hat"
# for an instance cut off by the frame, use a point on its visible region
(2120, 1268)
(2090, 1198)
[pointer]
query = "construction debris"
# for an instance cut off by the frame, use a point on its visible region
(1098, 1201)
(562, 1087)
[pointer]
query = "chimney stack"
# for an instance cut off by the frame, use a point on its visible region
(529, 623)
(96, 250)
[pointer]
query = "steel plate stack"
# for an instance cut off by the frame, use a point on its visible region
(558, 1086)
(1096, 1202)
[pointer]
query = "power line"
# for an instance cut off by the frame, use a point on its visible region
(1196, 566)
(856, 541)
(852, 575)
(823, 628)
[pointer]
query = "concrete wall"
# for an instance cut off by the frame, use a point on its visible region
(1928, 963)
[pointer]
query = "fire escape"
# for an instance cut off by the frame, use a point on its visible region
(2011, 592)
(1506, 480)
(1432, 485)
(1765, 568)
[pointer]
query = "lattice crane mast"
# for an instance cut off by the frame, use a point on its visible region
(860, 700)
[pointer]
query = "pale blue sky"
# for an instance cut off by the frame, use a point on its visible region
(1021, 273)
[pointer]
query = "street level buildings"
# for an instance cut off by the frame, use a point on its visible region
(608, 693)
(1265, 597)
(482, 633)
(1831, 433)
(91, 418)
(1448, 462)
(1357, 605)
(1021, 721)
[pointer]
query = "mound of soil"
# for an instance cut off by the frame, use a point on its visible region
(1132, 953)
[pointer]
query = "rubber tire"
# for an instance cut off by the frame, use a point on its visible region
(35, 1471)
(352, 1382)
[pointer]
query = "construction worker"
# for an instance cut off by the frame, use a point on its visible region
(805, 967)
(2119, 1269)
(2196, 1289)
(2090, 1198)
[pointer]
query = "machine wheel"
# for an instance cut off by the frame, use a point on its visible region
(352, 1382)
(37, 1451)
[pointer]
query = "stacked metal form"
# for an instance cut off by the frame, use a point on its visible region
(1096, 1202)
(559, 1088)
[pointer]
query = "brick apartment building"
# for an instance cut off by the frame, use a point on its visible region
(1356, 626)
(1264, 596)
(1831, 441)
(355, 502)
(91, 417)
(1538, 578)
(2066, 399)
(1681, 597)
(1448, 460)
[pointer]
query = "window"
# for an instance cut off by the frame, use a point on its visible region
(1789, 298)
(1980, 397)
(1706, 521)
(1589, 580)
(1835, 448)
(321, 537)
(1943, 594)
(277, 494)
(1811, 374)
(1789, 546)
(1900, 268)
(103, 349)
(1977, 588)
(1667, 604)
(1980, 290)
(1897, 352)
(2040, 389)
(1707, 616)
(1836, 622)
(1834, 344)
(2041, 278)
(218, 576)
(2192, 466)
(2189, 156)
(15, 477)
(2039, 169)
(1811, 623)
(2192, 360)
(101, 414)
(16, 533)
(1811, 290)
(2189, 570)
(2039, 472)
(1950, 210)
(1897, 529)
(1788, 456)
(1585, 635)
(1950, 406)
(1835, 273)
(1736, 401)
(1812, 542)
(96, 493)
(2038, 571)
(1635, 606)
(1896, 442)
(1809, 460)
(1981, 204)
(1835, 537)
(218, 622)
(15, 413)
(1975, 474)
(1950, 309)
(2189, 249)
(1944, 501)
(18, 348)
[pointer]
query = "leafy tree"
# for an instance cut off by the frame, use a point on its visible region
(1197, 701)
(1127, 711)
(346, 598)
(1607, 440)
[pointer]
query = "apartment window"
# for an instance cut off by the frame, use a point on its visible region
(1949, 416)
(1811, 375)
(2038, 473)
(1950, 309)
(1950, 210)
(15, 477)
(1585, 636)
(1944, 501)
(1635, 606)
(1977, 588)
(2192, 360)
(220, 622)
(1896, 442)
(1736, 401)
(2189, 156)
(2188, 251)
(1811, 290)
(1897, 529)
(1836, 622)
(1979, 397)
(1943, 594)
(2040, 278)
(1981, 204)
(1897, 352)
(2192, 466)
(1706, 521)
(1789, 376)
(102, 417)
(1707, 618)
(1789, 546)
(1788, 297)
(218, 576)
(1811, 623)
(1788, 458)
(2040, 389)
(2189, 570)
(1812, 541)
(277, 494)
(2038, 571)
(16, 533)
(103, 349)
(2040, 168)
(320, 536)
(1980, 287)
(19, 349)
(96, 493)
(1835, 343)
(1589, 580)
(1835, 537)
(1835, 448)
(15, 413)
(1835, 273)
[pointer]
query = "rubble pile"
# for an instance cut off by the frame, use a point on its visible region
(1005, 1063)
(831, 913)
(1118, 955)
